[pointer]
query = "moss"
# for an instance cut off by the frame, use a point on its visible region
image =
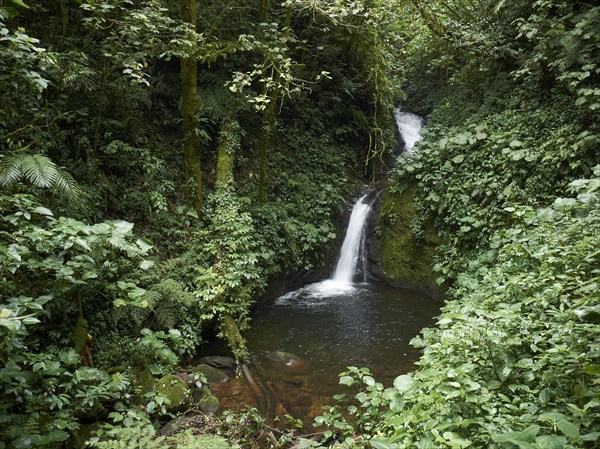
(175, 389)
(212, 375)
(236, 342)
(404, 260)
(208, 402)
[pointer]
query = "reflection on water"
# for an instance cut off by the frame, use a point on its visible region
(330, 326)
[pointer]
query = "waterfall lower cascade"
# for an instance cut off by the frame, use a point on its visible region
(351, 255)
(353, 247)
(409, 126)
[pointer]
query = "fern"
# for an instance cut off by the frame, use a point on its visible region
(172, 290)
(139, 314)
(166, 314)
(39, 171)
(143, 437)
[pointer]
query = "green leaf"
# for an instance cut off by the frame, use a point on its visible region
(550, 442)
(569, 429)
(347, 380)
(122, 227)
(43, 211)
(528, 435)
(20, 3)
(382, 444)
(368, 380)
(403, 383)
(58, 435)
(145, 245)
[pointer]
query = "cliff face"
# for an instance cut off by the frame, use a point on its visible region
(404, 259)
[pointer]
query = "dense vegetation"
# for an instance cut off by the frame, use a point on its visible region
(159, 167)
(508, 174)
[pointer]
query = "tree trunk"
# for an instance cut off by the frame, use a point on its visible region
(228, 143)
(189, 91)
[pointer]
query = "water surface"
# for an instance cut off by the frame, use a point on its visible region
(330, 326)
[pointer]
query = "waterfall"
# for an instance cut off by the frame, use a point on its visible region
(409, 126)
(353, 246)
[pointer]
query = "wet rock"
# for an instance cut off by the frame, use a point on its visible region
(212, 375)
(285, 358)
(175, 390)
(217, 361)
(208, 402)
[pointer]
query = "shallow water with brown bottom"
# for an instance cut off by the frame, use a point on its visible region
(328, 327)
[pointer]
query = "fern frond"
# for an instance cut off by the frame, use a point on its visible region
(39, 171)
(140, 314)
(166, 314)
(10, 170)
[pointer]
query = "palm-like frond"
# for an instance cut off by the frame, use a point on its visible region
(39, 171)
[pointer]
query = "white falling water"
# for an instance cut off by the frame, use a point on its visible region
(353, 242)
(409, 126)
(350, 255)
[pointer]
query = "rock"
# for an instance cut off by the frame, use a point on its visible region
(212, 375)
(176, 425)
(187, 378)
(217, 361)
(208, 402)
(175, 390)
(405, 261)
(285, 358)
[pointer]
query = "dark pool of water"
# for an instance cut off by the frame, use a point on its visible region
(328, 327)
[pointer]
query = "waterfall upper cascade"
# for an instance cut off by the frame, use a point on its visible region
(409, 126)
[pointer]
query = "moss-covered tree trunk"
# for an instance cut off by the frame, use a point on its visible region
(189, 91)
(228, 143)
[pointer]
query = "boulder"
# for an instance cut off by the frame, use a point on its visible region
(212, 375)
(208, 402)
(175, 390)
(217, 361)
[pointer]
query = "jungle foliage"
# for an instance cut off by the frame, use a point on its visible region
(138, 211)
(105, 149)
(507, 173)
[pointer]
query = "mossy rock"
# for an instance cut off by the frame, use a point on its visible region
(175, 390)
(212, 375)
(404, 260)
(208, 402)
